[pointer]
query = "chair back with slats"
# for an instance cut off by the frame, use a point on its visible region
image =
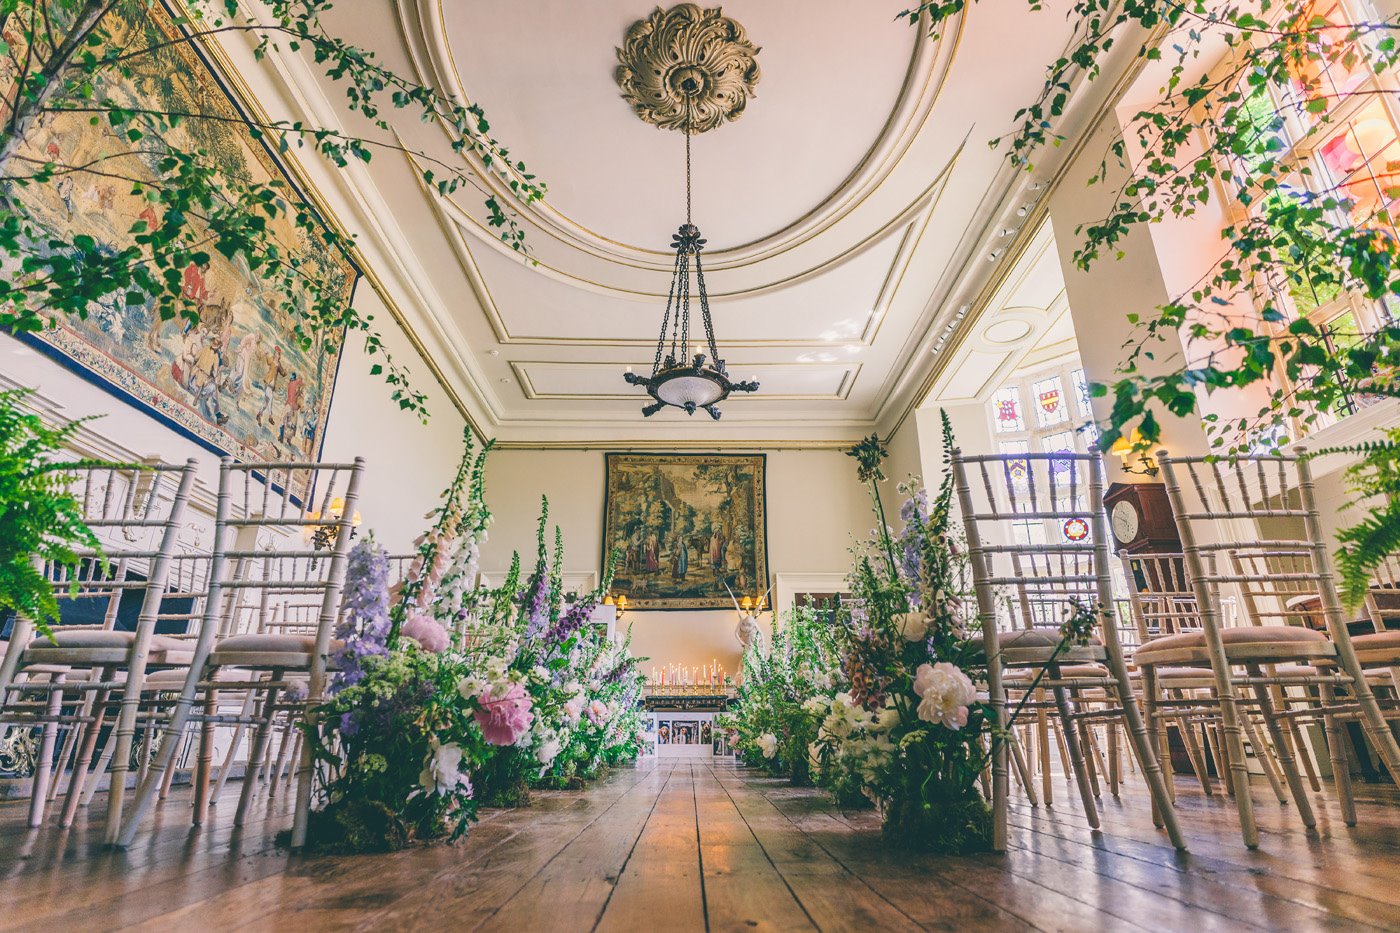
(134, 512)
(1160, 595)
(1251, 526)
(281, 537)
(1383, 595)
(1007, 501)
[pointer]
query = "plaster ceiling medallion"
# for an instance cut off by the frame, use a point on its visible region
(687, 68)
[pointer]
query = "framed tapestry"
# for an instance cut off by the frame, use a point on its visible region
(684, 526)
(238, 382)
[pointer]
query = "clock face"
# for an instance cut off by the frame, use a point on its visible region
(1125, 520)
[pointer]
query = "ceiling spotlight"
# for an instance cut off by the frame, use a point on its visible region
(994, 255)
(1005, 232)
(493, 352)
(1023, 210)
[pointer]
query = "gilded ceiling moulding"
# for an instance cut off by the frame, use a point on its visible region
(687, 68)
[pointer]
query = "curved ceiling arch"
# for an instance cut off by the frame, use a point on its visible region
(434, 39)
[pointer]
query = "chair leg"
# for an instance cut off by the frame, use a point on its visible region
(1115, 762)
(104, 764)
(205, 762)
(1230, 714)
(226, 768)
(1042, 745)
(1093, 759)
(84, 757)
(1265, 756)
(1294, 737)
(255, 755)
(1155, 737)
(1196, 756)
(1285, 757)
(1076, 757)
(1023, 774)
(1142, 747)
(43, 765)
(279, 768)
(1336, 750)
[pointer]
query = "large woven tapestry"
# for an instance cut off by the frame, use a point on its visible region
(237, 381)
(685, 527)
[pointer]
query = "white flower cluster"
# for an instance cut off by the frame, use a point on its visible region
(945, 693)
(442, 772)
(855, 740)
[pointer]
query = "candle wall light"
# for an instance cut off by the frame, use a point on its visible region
(323, 537)
(1129, 451)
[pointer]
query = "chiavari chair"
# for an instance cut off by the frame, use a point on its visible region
(72, 679)
(1012, 490)
(1283, 562)
(282, 534)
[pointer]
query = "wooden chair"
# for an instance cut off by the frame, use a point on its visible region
(1260, 513)
(135, 511)
(281, 537)
(1012, 490)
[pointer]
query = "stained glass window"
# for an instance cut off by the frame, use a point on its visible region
(1017, 471)
(1081, 393)
(1051, 407)
(1006, 411)
(1059, 442)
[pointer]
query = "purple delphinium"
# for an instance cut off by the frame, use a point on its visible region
(363, 630)
(536, 604)
(571, 621)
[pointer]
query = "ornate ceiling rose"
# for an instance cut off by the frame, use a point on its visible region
(687, 67)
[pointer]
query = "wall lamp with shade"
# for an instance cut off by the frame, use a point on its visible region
(619, 603)
(323, 537)
(1135, 460)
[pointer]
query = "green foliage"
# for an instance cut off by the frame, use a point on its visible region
(68, 58)
(1375, 480)
(801, 662)
(371, 743)
(1296, 240)
(40, 519)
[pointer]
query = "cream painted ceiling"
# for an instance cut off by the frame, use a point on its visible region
(851, 211)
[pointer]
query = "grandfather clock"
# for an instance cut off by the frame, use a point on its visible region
(1140, 518)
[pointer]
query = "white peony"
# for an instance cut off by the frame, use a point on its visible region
(548, 750)
(442, 772)
(945, 692)
(912, 625)
(886, 719)
(768, 744)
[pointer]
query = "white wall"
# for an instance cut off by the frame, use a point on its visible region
(815, 507)
(408, 463)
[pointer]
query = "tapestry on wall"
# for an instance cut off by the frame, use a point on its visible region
(238, 382)
(685, 526)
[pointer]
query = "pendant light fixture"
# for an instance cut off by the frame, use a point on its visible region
(687, 69)
(683, 376)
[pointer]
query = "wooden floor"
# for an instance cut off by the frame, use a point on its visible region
(676, 845)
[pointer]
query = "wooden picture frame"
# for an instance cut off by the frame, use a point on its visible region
(684, 526)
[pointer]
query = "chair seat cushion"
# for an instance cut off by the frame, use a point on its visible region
(102, 638)
(1377, 640)
(267, 642)
(1034, 638)
(1244, 635)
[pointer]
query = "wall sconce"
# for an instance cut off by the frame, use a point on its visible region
(619, 603)
(323, 537)
(1126, 449)
(746, 604)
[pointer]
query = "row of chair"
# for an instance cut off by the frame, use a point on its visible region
(251, 618)
(1251, 536)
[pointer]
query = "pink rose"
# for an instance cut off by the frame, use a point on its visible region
(504, 714)
(427, 631)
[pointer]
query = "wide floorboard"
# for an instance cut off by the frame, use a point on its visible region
(679, 845)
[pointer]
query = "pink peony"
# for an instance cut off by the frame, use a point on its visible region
(427, 631)
(597, 712)
(504, 714)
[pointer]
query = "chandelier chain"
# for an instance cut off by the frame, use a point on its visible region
(687, 171)
(705, 314)
(665, 322)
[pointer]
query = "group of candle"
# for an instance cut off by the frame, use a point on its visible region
(678, 675)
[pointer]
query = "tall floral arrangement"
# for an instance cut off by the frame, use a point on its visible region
(448, 695)
(772, 723)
